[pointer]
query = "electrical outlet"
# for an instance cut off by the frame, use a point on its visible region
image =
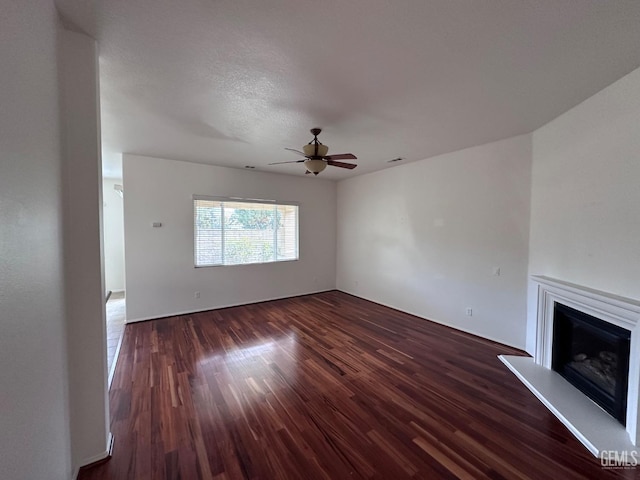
(196, 295)
(469, 312)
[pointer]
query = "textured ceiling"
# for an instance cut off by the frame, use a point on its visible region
(233, 82)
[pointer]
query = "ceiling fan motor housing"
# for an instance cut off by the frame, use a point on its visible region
(315, 150)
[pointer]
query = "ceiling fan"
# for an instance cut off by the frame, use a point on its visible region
(316, 158)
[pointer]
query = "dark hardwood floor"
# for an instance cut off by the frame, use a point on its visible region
(327, 386)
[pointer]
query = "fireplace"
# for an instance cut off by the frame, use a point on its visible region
(592, 355)
(599, 348)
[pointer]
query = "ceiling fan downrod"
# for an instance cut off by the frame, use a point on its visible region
(315, 132)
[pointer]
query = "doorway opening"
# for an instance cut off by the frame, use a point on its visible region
(113, 240)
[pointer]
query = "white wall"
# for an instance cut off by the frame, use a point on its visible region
(82, 174)
(113, 227)
(161, 278)
(34, 432)
(424, 238)
(585, 207)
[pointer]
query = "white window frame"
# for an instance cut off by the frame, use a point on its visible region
(248, 201)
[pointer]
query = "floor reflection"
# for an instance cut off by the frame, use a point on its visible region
(256, 369)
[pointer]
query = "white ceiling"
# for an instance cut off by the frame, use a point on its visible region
(233, 82)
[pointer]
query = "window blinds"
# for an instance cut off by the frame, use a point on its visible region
(238, 232)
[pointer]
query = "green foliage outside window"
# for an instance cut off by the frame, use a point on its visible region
(256, 219)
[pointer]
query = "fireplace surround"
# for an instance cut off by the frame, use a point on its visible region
(595, 428)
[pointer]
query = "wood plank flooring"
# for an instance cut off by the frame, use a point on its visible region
(327, 386)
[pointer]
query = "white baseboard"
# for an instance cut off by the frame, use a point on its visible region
(95, 458)
(219, 307)
(455, 327)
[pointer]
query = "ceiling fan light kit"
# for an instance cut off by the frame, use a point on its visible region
(316, 158)
(315, 166)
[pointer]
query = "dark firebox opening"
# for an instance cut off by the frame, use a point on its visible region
(593, 355)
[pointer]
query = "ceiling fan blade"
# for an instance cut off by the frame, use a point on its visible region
(292, 161)
(296, 151)
(341, 156)
(350, 166)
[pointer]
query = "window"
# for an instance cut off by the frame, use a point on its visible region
(238, 232)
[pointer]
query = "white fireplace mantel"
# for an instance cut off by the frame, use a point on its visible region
(595, 428)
